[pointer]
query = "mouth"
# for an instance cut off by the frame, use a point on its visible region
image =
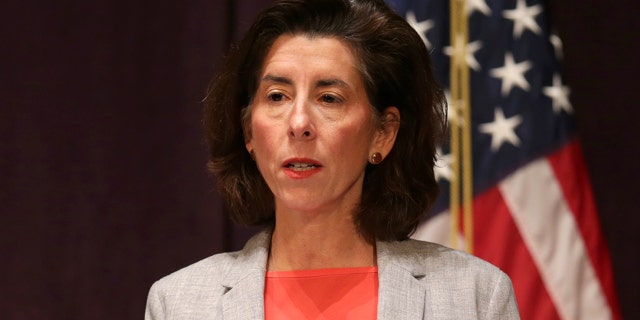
(301, 164)
(297, 166)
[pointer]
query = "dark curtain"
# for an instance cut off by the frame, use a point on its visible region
(103, 180)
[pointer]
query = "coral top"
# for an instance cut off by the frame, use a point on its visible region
(340, 293)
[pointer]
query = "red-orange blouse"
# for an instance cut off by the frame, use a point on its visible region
(339, 293)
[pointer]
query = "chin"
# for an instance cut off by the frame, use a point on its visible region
(302, 207)
(301, 203)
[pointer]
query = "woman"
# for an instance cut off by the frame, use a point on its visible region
(323, 127)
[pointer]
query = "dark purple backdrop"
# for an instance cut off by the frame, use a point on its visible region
(102, 164)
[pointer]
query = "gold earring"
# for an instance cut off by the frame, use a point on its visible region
(376, 158)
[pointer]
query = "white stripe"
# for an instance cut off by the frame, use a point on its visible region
(438, 229)
(550, 232)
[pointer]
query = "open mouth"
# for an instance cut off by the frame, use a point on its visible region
(300, 166)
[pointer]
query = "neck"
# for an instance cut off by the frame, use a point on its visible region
(318, 242)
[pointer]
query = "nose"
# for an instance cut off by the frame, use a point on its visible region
(300, 123)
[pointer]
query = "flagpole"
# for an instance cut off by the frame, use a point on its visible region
(454, 186)
(467, 164)
(460, 130)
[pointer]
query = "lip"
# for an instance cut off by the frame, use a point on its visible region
(314, 167)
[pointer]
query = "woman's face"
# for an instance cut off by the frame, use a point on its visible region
(312, 128)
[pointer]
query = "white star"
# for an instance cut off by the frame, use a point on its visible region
(421, 27)
(478, 5)
(559, 95)
(556, 42)
(458, 51)
(512, 73)
(502, 129)
(523, 17)
(442, 168)
(453, 109)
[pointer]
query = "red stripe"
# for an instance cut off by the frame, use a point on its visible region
(498, 241)
(571, 172)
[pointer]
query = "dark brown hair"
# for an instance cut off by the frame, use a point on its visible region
(396, 69)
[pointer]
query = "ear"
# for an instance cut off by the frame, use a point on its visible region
(252, 153)
(385, 136)
(245, 121)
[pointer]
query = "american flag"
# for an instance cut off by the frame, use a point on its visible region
(534, 213)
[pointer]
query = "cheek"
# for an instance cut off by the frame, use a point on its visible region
(263, 133)
(355, 138)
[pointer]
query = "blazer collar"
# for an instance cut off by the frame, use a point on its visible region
(399, 273)
(244, 283)
(401, 295)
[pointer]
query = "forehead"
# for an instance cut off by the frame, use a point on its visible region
(301, 52)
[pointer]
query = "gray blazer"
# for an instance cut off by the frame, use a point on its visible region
(417, 280)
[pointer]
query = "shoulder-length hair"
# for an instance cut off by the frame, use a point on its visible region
(396, 69)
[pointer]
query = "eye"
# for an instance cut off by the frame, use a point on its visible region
(275, 96)
(328, 98)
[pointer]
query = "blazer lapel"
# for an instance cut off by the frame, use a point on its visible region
(244, 283)
(400, 294)
(245, 300)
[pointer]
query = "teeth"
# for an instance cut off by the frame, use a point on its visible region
(301, 166)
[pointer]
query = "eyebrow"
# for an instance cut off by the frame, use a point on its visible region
(276, 79)
(319, 84)
(331, 83)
